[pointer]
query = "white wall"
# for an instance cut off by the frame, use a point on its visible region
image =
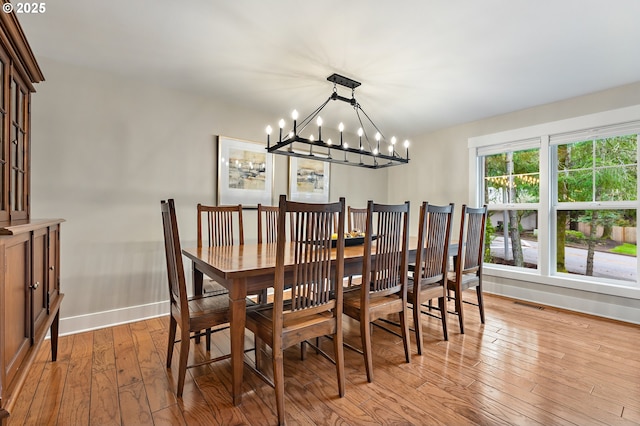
(440, 168)
(105, 151)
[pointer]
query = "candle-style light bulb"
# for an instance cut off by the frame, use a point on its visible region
(406, 145)
(341, 129)
(294, 116)
(346, 146)
(281, 124)
(269, 130)
(311, 145)
(319, 123)
(329, 142)
(378, 136)
(392, 147)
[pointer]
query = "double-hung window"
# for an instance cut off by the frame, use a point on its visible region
(511, 190)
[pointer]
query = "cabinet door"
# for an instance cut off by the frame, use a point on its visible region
(16, 304)
(38, 285)
(19, 159)
(53, 283)
(5, 125)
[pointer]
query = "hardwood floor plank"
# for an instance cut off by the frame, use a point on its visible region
(105, 404)
(134, 406)
(125, 357)
(46, 401)
(170, 416)
(76, 399)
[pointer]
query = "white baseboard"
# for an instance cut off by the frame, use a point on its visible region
(621, 309)
(80, 323)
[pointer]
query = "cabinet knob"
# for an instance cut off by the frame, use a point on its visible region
(36, 285)
(52, 268)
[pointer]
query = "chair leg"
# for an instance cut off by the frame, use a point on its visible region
(184, 355)
(404, 325)
(442, 302)
(278, 379)
(458, 299)
(172, 339)
(417, 323)
(365, 332)
(339, 354)
(208, 339)
(480, 302)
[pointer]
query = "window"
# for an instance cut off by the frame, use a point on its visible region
(562, 205)
(511, 189)
(596, 183)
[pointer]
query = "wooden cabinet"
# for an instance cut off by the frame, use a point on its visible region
(30, 294)
(30, 300)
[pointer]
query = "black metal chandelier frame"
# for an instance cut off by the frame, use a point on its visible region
(319, 149)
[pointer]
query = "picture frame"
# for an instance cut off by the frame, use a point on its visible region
(309, 180)
(245, 173)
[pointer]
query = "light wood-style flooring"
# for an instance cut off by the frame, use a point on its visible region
(526, 365)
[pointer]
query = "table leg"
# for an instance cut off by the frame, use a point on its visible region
(197, 286)
(237, 299)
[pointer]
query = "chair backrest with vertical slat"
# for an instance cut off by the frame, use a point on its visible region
(220, 225)
(267, 223)
(313, 286)
(387, 274)
(357, 219)
(175, 269)
(433, 236)
(472, 230)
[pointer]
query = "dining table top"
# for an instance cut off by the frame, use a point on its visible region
(256, 259)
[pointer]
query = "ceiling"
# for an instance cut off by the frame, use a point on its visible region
(423, 64)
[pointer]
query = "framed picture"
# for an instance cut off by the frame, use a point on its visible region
(308, 180)
(245, 173)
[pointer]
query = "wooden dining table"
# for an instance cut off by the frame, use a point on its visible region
(247, 269)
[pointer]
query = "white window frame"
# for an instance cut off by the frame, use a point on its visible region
(545, 274)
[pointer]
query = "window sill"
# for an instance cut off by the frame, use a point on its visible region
(631, 291)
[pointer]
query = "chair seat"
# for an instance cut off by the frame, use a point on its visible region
(377, 305)
(430, 290)
(294, 330)
(467, 280)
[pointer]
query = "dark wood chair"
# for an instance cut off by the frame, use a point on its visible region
(468, 261)
(429, 279)
(220, 225)
(267, 223)
(223, 227)
(384, 281)
(357, 219)
(190, 314)
(315, 306)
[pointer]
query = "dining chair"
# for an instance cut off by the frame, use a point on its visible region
(467, 271)
(222, 226)
(384, 280)
(357, 219)
(267, 223)
(429, 280)
(315, 306)
(191, 314)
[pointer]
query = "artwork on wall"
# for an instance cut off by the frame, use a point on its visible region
(308, 180)
(245, 173)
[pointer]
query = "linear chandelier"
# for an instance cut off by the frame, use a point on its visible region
(375, 154)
